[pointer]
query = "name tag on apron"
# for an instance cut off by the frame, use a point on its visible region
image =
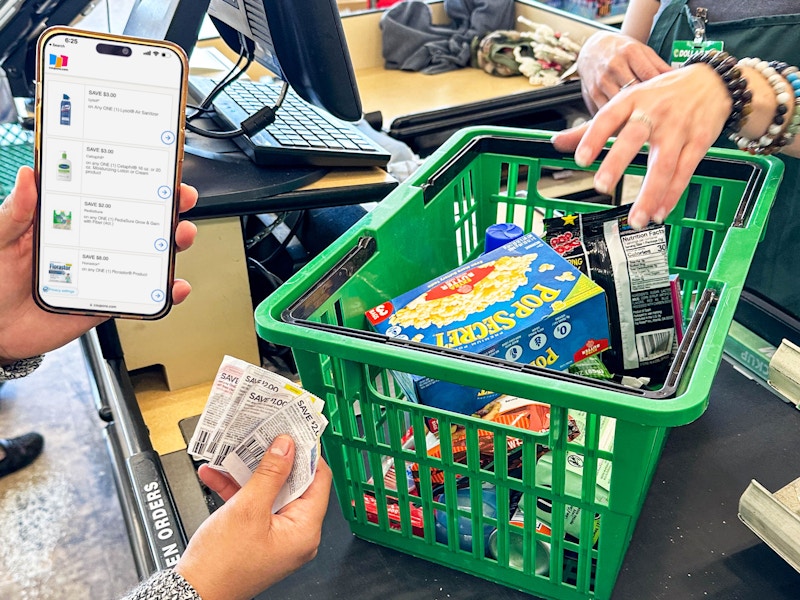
(683, 49)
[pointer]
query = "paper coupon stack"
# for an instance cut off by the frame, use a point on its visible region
(248, 407)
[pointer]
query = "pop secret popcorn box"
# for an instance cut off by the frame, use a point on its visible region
(521, 302)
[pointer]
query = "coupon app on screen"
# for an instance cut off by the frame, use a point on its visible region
(109, 144)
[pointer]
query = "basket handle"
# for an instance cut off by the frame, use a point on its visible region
(720, 167)
(322, 290)
(319, 293)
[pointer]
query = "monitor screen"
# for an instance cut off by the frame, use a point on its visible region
(21, 22)
(301, 42)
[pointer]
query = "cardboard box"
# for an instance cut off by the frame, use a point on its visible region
(521, 302)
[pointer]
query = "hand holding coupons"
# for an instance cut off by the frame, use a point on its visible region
(249, 407)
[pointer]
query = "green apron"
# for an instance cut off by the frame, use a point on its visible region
(775, 272)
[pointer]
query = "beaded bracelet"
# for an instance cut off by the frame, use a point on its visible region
(793, 119)
(725, 66)
(776, 136)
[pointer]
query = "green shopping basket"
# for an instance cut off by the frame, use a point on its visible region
(432, 223)
(16, 150)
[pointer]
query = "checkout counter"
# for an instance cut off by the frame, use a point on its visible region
(152, 380)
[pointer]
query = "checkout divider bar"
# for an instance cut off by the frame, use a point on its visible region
(151, 517)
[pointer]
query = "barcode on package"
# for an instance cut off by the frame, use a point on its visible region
(654, 344)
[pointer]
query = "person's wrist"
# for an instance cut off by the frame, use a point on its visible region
(733, 81)
(209, 581)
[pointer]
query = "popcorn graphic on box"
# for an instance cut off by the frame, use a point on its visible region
(521, 302)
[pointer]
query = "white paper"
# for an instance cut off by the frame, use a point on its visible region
(298, 419)
(225, 382)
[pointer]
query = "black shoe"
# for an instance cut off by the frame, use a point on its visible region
(20, 452)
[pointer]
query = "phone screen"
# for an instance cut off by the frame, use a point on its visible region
(109, 133)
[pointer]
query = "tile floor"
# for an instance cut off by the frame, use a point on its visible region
(63, 534)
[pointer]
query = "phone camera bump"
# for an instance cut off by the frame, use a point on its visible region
(114, 49)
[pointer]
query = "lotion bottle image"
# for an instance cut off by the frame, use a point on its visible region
(64, 168)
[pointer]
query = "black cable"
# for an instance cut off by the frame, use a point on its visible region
(292, 233)
(273, 279)
(251, 125)
(231, 76)
(269, 350)
(264, 233)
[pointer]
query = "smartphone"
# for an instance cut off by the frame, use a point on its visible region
(109, 127)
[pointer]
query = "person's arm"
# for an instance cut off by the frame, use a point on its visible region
(639, 18)
(25, 329)
(243, 548)
(611, 61)
(680, 114)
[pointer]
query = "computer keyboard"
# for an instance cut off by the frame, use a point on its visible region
(16, 149)
(301, 135)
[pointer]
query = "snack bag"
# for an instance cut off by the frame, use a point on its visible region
(631, 267)
(508, 410)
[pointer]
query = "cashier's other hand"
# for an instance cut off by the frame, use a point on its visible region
(609, 62)
(679, 114)
(242, 548)
(25, 329)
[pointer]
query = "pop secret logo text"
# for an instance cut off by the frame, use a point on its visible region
(501, 320)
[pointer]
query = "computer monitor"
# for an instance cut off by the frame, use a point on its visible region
(301, 42)
(177, 21)
(21, 22)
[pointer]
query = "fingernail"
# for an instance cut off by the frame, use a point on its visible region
(602, 183)
(281, 445)
(660, 216)
(582, 158)
(637, 220)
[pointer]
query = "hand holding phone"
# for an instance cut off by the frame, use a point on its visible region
(109, 150)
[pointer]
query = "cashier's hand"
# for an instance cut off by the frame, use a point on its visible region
(25, 329)
(242, 548)
(679, 114)
(610, 61)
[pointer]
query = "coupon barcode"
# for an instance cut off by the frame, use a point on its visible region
(251, 453)
(200, 443)
(212, 446)
(225, 449)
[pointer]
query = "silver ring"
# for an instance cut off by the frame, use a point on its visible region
(630, 83)
(638, 115)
